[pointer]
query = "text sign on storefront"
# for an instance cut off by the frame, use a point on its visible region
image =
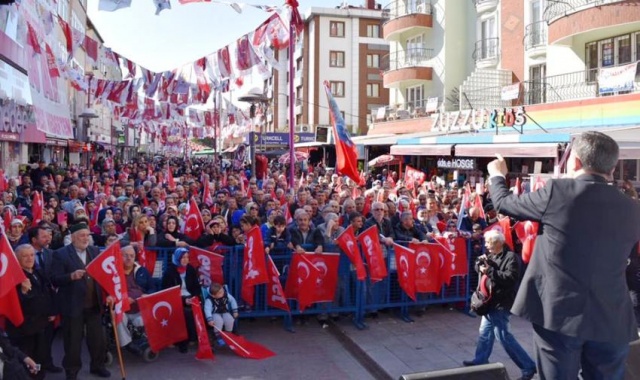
(457, 163)
(275, 138)
(477, 119)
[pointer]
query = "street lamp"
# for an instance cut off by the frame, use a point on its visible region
(254, 96)
(88, 114)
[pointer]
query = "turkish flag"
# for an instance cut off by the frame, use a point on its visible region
(54, 72)
(370, 243)
(245, 348)
(445, 260)
(32, 38)
(254, 269)
(527, 232)
(206, 195)
(150, 258)
(275, 293)
(193, 226)
(427, 267)
(478, 204)
(37, 208)
(11, 273)
(10, 307)
(302, 280)
(348, 243)
(3, 181)
(504, 226)
(107, 270)
(91, 48)
(163, 317)
(209, 265)
(405, 261)
(204, 347)
(457, 248)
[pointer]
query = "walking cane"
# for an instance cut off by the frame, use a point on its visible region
(115, 333)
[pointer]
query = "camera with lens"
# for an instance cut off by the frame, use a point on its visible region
(482, 260)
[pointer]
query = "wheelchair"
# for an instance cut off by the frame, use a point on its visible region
(139, 345)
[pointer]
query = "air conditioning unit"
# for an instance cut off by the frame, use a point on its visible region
(303, 128)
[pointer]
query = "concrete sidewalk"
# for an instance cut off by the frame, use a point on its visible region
(440, 339)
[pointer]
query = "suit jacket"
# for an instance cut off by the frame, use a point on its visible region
(71, 293)
(575, 282)
(47, 256)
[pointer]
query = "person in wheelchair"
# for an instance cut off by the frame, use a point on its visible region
(220, 309)
(139, 282)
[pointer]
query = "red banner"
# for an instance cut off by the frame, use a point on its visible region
(107, 270)
(301, 281)
(275, 293)
(254, 270)
(527, 232)
(370, 243)
(193, 225)
(503, 226)
(11, 273)
(209, 265)
(412, 177)
(38, 208)
(405, 262)
(204, 347)
(348, 243)
(163, 317)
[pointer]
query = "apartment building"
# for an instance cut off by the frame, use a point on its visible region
(343, 46)
(431, 44)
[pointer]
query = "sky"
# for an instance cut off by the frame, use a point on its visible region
(184, 33)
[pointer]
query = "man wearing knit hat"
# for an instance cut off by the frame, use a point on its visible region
(78, 300)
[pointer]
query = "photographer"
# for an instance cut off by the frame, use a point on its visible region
(500, 268)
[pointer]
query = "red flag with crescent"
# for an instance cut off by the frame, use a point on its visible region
(405, 262)
(370, 243)
(163, 316)
(254, 269)
(107, 270)
(349, 245)
(427, 267)
(527, 232)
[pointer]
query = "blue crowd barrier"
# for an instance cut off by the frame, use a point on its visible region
(353, 297)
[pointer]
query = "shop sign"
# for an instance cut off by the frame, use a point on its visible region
(13, 116)
(479, 119)
(273, 138)
(457, 163)
(56, 142)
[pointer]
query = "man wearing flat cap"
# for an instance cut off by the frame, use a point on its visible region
(78, 300)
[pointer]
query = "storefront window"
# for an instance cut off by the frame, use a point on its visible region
(630, 170)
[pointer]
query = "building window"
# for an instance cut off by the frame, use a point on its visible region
(414, 98)
(336, 29)
(336, 58)
(637, 37)
(63, 9)
(373, 31)
(76, 24)
(337, 88)
(537, 75)
(373, 60)
(623, 49)
(606, 49)
(373, 90)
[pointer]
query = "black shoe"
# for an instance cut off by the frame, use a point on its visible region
(528, 377)
(102, 372)
(468, 363)
(183, 348)
(53, 369)
(71, 376)
(133, 348)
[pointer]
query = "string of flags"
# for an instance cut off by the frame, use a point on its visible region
(158, 101)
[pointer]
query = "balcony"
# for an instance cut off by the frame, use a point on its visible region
(588, 18)
(552, 89)
(407, 67)
(535, 39)
(402, 15)
(487, 52)
(484, 6)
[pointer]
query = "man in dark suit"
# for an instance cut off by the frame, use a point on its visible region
(78, 301)
(574, 291)
(40, 237)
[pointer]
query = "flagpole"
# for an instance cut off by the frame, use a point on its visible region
(292, 123)
(115, 333)
(233, 341)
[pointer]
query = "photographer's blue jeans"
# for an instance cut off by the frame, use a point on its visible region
(496, 323)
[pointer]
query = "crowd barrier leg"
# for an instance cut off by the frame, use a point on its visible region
(358, 318)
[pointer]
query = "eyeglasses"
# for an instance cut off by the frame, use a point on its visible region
(378, 209)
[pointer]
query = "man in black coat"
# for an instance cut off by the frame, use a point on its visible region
(79, 303)
(574, 291)
(40, 237)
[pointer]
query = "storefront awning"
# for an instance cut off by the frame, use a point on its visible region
(309, 144)
(421, 150)
(507, 150)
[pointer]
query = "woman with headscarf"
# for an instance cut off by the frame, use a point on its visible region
(171, 237)
(181, 273)
(16, 234)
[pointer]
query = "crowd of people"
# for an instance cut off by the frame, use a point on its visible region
(146, 202)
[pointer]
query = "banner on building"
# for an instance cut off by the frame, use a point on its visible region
(616, 79)
(510, 92)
